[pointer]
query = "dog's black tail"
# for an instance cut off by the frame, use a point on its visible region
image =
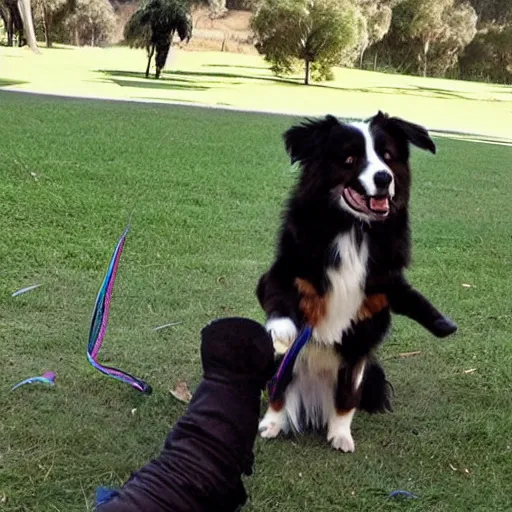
(377, 392)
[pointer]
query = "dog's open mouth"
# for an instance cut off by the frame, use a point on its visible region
(375, 206)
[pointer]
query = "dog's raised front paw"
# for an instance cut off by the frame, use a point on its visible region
(283, 332)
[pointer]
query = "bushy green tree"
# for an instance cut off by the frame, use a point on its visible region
(489, 56)
(312, 31)
(92, 22)
(496, 12)
(376, 15)
(50, 14)
(153, 26)
(441, 22)
(427, 36)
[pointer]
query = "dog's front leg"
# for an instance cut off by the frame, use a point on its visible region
(275, 420)
(346, 400)
(279, 299)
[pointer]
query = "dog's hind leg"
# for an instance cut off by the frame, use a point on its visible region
(346, 400)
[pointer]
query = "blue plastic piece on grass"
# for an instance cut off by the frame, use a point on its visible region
(407, 494)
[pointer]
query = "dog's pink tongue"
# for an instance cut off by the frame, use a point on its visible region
(379, 204)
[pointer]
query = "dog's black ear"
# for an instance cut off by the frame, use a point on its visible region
(304, 141)
(414, 133)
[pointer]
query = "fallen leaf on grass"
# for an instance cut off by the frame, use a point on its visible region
(471, 370)
(466, 285)
(410, 354)
(134, 411)
(181, 392)
(452, 467)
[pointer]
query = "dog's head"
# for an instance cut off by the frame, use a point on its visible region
(237, 348)
(363, 167)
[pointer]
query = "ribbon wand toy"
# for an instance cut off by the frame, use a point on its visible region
(100, 319)
(46, 378)
(277, 385)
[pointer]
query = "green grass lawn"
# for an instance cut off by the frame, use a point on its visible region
(206, 188)
(245, 81)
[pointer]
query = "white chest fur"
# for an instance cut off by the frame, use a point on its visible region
(347, 288)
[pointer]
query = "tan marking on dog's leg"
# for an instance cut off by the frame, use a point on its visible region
(274, 421)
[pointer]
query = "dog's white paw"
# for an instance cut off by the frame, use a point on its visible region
(343, 442)
(338, 433)
(283, 332)
(272, 424)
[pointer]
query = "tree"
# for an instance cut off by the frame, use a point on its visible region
(153, 25)
(52, 13)
(377, 16)
(313, 31)
(489, 56)
(93, 22)
(496, 12)
(18, 20)
(427, 36)
(440, 21)
(217, 8)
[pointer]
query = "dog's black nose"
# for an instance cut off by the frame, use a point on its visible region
(382, 179)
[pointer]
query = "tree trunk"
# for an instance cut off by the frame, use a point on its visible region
(426, 47)
(25, 10)
(92, 35)
(375, 60)
(306, 78)
(10, 33)
(47, 25)
(361, 56)
(151, 51)
(77, 38)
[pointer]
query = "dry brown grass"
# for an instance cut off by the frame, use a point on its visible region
(230, 33)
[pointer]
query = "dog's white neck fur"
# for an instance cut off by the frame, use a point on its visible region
(375, 163)
(347, 288)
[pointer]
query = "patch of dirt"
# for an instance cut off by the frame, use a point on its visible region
(231, 33)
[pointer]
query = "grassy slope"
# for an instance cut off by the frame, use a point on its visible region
(207, 188)
(244, 81)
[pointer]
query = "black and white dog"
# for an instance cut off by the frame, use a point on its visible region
(342, 251)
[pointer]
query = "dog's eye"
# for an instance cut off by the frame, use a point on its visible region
(387, 156)
(349, 160)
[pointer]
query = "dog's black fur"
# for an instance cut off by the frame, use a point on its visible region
(313, 220)
(211, 446)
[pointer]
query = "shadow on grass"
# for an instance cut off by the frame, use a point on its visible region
(166, 75)
(170, 100)
(159, 84)
(151, 83)
(202, 74)
(192, 77)
(6, 82)
(234, 66)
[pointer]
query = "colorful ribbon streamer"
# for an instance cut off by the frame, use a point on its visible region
(100, 319)
(46, 378)
(281, 379)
